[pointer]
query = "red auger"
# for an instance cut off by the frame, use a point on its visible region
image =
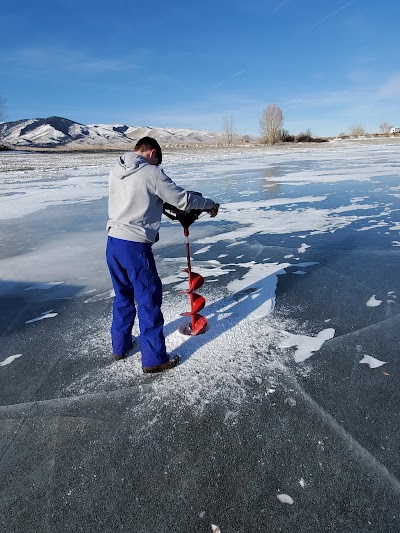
(198, 322)
(197, 302)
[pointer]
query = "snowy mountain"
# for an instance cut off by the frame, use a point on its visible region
(61, 132)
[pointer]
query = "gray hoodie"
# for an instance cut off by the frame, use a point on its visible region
(137, 191)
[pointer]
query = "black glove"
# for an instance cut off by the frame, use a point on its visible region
(213, 211)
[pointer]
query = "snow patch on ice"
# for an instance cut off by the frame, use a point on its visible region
(258, 217)
(373, 302)
(202, 250)
(372, 362)
(306, 346)
(303, 248)
(10, 359)
(102, 296)
(285, 498)
(263, 278)
(42, 317)
(43, 286)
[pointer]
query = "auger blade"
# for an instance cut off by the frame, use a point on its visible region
(198, 326)
(197, 303)
(195, 281)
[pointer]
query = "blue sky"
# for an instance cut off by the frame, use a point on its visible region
(328, 64)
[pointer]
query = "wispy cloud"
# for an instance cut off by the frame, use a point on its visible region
(280, 5)
(332, 14)
(239, 73)
(42, 58)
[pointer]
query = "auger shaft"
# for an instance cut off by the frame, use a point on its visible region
(197, 302)
(189, 270)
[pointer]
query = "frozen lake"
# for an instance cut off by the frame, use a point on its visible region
(283, 416)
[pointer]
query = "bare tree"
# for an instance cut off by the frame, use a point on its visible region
(385, 127)
(271, 124)
(357, 130)
(229, 129)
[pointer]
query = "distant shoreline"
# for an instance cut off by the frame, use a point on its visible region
(211, 146)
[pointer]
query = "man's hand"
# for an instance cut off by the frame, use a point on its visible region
(214, 211)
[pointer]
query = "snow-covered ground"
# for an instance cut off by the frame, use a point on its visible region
(301, 280)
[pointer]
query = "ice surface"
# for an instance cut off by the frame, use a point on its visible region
(240, 419)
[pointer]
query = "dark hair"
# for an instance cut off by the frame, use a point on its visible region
(148, 143)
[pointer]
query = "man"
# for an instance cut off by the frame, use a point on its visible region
(137, 191)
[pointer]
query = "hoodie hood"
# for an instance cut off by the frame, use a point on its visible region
(128, 164)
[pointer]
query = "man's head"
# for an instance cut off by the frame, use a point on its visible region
(149, 148)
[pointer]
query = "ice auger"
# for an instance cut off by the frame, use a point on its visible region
(197, 302)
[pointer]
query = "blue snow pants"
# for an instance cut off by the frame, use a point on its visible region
(135, 279)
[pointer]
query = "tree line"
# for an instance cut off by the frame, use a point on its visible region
(272, 131)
